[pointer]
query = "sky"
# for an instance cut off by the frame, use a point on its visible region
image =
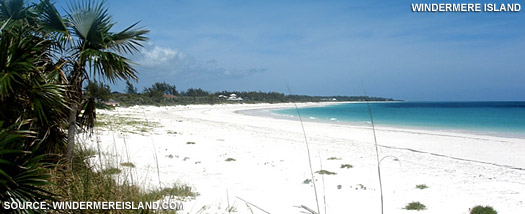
(329, 48)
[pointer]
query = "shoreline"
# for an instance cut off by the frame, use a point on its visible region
(271, 164)
(268, 112)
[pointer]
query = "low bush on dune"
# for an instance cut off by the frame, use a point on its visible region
(483, 210)
(421, 186)
(325, 172)
(348, 166)
(415, 206)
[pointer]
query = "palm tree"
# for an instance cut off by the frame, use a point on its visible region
(32, 86)
(33, 108)
(92, 50)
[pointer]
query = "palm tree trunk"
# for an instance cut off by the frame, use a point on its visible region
(72, 131)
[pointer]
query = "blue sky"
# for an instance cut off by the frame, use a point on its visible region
(329, 48)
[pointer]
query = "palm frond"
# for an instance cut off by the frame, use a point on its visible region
(128, 40)
(52, 22)
(109, 65)
(21, 171)
(88, 117)
(13, 9)
(90, 21)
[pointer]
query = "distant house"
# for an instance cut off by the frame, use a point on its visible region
(233, 97)
(169, 96)
(112, 102)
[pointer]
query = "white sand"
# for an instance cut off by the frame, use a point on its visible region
(461, 170)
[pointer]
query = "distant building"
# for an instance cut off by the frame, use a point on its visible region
(169, 96)
(233, 97)
(112, 102)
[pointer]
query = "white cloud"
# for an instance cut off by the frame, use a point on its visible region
(158, 56)
(172, 63)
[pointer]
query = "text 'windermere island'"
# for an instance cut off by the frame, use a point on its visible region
(465, 7)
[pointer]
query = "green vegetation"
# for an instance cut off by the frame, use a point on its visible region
(415, 206)
(45, 59)
(79, 182)
(421, 186)
(347, 166)
(230, 159)
(307, 181)
(325, 172)
(128, 164)
(125, 124)
(334, 158)
(181, 191)
(111, 171)
(130, 89)
(159, 94)
(99, 91)
(483, 210)
(190, 142)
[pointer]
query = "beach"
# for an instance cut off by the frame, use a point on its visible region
(254, 162)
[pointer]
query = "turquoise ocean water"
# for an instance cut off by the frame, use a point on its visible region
(500, 118)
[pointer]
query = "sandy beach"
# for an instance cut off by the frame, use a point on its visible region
(269, 162)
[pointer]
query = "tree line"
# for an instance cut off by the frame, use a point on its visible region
(157, 93)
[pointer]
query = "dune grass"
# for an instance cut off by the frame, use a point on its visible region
(77, 181)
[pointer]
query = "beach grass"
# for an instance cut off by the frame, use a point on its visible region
(78, 181)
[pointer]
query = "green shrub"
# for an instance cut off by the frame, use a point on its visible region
(334, 158)
(111, 171)
(348, 166)
(128, 164)
(325, 172)
(421, 186)
(178, 190)
(483, 210)
(307, 181)
(415, 206)
(230, 159)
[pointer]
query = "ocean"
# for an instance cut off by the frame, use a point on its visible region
(494, 118)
